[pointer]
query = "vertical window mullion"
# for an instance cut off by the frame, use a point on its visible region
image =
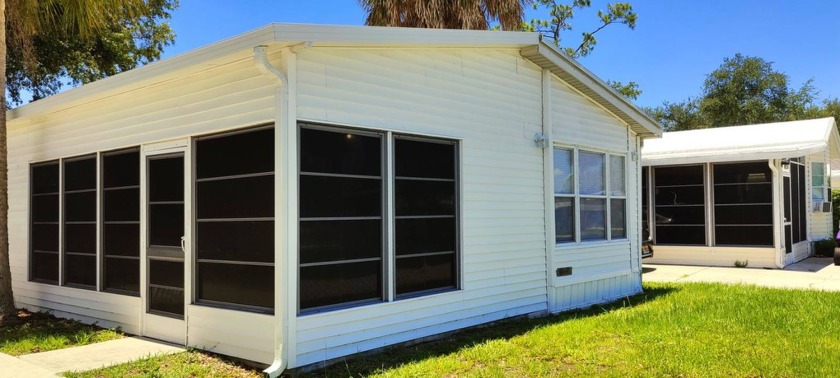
(389, 252)
(607, 191)
(575, 162)
(99, 255)
(61, 222)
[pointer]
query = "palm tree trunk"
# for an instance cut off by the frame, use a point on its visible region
(7, 303)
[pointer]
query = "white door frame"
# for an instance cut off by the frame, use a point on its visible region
(152, 325)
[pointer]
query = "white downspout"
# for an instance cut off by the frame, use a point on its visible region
(281, 330)
(548, 184)
(777, 211)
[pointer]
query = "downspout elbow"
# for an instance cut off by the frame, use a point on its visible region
(268, 69)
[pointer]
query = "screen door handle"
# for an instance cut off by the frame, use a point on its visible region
(183, 243)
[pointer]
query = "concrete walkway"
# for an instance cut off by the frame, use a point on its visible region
(86, 357)
(815, 273)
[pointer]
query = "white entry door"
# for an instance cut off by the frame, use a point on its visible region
(166, 231)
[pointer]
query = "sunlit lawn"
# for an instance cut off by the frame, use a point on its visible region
(673, 330)
(41, 332)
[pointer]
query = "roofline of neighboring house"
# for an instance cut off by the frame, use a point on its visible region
(530, 44)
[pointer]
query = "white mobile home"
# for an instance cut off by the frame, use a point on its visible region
(757, 194)
(305, 192)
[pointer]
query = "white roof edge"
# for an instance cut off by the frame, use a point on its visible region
(343, 35)
(746, 142)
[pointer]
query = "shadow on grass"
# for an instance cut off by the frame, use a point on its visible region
(392, 357)
(648, 269)
(30, 330)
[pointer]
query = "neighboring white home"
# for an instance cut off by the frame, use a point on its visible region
(305, 192)
(758, 194)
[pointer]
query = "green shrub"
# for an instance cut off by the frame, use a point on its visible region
(824, 247)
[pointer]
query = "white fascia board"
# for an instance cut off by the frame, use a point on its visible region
(277, 35)
(721, 156)
(349, 36)
(583, 80)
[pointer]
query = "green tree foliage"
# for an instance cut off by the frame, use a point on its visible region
(509, 14)
(630, 90)
(744, 90)
(446, 14)
(41, 62)
(560, 20)
(46, 44)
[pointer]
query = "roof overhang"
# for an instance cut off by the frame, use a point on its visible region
(573, 73)
(743, 143)
(277, 35)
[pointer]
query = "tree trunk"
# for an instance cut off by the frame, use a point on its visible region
(7, 303)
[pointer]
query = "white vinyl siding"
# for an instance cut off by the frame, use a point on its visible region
(488, 99)
(579, 123)
(222, 95)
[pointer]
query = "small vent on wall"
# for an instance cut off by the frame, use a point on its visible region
(567, 271)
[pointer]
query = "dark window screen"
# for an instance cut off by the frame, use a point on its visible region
(235, 219)
(795, 189)
(341, 227)
(786, 201)
(645, 203)
(80, 222)
(426, 217)
(44, 227)
(743, 195)
(803, 220)
(679, 205)
(121, 221)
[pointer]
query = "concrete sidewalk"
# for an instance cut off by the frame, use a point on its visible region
(815, 273)
(82, 358)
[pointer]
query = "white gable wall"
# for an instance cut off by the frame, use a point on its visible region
(601, 270)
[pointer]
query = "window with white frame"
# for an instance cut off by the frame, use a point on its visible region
(590, 196)
(818, 184)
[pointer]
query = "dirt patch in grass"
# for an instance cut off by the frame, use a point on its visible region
(33, 332)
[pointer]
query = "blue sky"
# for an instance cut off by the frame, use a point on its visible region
(676, 43)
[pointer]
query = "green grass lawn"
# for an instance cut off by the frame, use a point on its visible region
(690, 330)
(186, 364)
(673, 330)
(41, 332)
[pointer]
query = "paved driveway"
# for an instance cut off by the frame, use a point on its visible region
(818, 273)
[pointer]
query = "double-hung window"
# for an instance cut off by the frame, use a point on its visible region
(818, 185)
(378, 217)
(590, 195)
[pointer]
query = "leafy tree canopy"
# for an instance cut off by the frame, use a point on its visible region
(43, 57)
(745, 90)
(509, 14)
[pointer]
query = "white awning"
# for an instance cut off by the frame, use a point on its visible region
(742, 143)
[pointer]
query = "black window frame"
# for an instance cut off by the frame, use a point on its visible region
(720, 207)
(94, 187)
(196, 261)
(104, 221)
(655, 175)
(65, 222)
(57, 223)
(388, 282)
